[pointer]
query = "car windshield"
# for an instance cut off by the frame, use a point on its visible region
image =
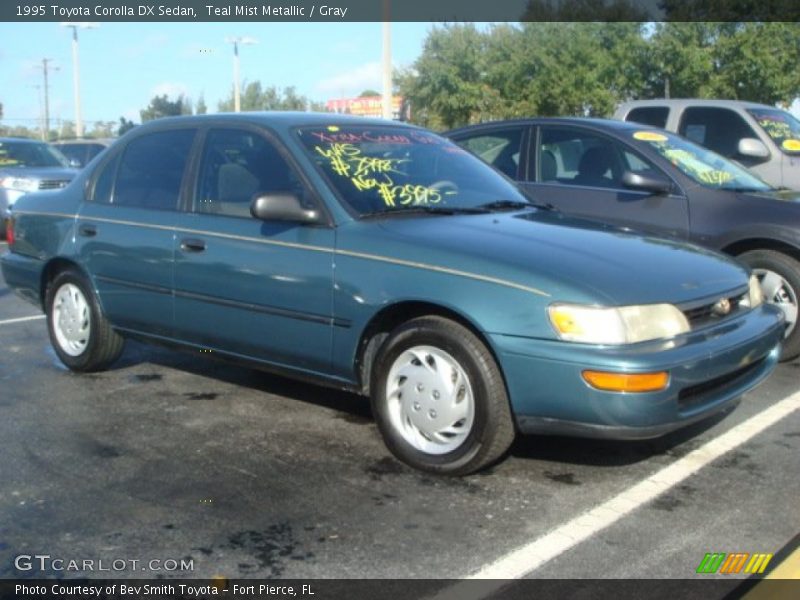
(701, 164)
(782, 127)
(30, 154)
(387, 170)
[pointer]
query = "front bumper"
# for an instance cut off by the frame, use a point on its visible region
(709, 369)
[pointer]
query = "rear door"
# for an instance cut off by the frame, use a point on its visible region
(125, 232)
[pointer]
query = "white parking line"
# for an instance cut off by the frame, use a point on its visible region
(21, 319)
(524, 560)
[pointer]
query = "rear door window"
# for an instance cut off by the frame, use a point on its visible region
(499, 148)
(151, 170)
(649, 115)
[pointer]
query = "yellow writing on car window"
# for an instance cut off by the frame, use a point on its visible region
(367, 173)
(777, 130)
(687, 162)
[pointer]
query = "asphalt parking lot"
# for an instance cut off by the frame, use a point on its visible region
(171, 457)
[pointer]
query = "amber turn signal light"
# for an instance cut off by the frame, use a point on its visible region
(627, 382)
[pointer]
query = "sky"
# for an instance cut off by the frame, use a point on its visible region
(123, 65)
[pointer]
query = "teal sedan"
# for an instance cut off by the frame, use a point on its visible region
(381, 258)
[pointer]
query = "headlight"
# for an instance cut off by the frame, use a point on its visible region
(617, 325)
(19, 183)
(755, 296)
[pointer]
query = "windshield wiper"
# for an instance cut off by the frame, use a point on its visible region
(744, 188)
(499, 205)
(427, 209)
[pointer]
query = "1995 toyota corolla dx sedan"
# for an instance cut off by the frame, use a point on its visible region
(384, 259)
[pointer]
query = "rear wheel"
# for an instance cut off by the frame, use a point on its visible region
(81, 336)
(779, 275)
(439, 398)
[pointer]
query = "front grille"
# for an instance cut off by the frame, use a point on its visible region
(697, 394)
(707, 314)
(53, 184)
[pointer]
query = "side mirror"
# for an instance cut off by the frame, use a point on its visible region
(752, 148)
(282, 206)
(647, 182)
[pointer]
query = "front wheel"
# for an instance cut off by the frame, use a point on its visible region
(439, 398)
(81, 336)
(779, 276)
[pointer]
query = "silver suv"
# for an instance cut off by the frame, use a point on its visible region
(763, 138)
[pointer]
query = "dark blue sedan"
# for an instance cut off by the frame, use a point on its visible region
(386, 260)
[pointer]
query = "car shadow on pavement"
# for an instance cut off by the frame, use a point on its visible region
(354, 407)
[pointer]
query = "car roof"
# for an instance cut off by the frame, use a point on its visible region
(6, 140)
(684, 102)
(101, 141)
(605, 124)
(276, 118)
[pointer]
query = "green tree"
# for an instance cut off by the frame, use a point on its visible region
(67, 130)
(103, 129)
(162, 106)
(201, 108)
(255, 97)
(465, 75)
(449, 86)
(124, 126)
(757, 62)
(744, 61)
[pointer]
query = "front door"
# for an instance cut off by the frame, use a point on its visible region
(251, 288)
(580, 172)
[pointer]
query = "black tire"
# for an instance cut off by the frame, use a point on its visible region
(101, 346)
(788, 268)
(491, 427)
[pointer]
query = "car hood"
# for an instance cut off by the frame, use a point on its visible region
(40, 173)
(784, 195)
(567, 259)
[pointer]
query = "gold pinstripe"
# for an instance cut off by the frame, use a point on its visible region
(310, 248)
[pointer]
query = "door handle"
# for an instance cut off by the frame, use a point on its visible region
(193, 245)
(87, 230)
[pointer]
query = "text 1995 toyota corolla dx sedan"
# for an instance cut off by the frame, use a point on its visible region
(384, 259)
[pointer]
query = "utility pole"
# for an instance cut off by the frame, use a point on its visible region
(237, 41)
(46, 132)
(387, 62)
(76, 78)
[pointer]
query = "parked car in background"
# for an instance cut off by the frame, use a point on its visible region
(763, 138)
(651, 180)
(384, 259)
(81, 151)
(28, 166)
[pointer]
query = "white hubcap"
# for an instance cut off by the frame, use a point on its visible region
(430, 400)
(71, 323)
(777, 291)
